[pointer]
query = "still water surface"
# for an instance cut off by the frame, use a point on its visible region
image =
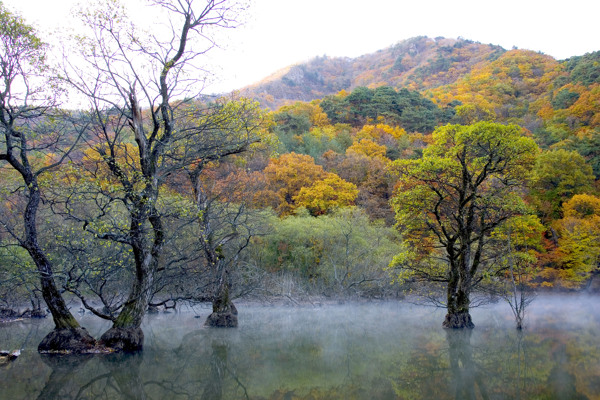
(389, 350)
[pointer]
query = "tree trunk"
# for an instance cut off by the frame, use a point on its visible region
(224, 313)
(126, 333)
(63, 319)
(459, 289)
(68, 336)
(458, 320)
(458, 316)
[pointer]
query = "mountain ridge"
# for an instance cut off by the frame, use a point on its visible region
(405, 64)
(556, 101)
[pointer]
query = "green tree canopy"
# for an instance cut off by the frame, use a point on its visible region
(449, 201)
(406, 108)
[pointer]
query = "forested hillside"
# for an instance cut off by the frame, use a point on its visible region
(432, 163)
(417, 64)
(556, 100)
(362, 116)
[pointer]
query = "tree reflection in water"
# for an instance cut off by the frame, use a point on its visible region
(457, 364)
(562, 383)
(125, 371)
(467, 378)
(314, 353)
(64, 368)
(107, 376)
(214, 384)
(219, 371)
(117, 376)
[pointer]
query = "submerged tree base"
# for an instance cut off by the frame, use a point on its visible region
(223, 319)
(458, 320)
(123, 339)
(68, 340)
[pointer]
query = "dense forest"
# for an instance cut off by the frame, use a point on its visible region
(436, 167)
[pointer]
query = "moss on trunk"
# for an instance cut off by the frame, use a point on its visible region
(123, 339)
(67, 340)
(458, 320)
(224, 313)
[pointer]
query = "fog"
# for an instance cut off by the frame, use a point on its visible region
(370, 350)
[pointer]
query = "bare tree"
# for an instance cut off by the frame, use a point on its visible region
(516, 292)
(226, 227)
(147, 127)
(31, 130)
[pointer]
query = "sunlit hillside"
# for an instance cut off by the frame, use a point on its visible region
(418, 63)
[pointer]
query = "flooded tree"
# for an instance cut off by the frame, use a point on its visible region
(142, 89)
(522, 238)
(448, 203)
(35, 139)
(225, 223)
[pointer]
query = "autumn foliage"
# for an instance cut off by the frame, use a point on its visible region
(294, 180)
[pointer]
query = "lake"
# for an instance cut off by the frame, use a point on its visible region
(371, 350)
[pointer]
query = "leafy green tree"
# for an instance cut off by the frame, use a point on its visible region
(290, 126)
(418, 114)
(564, 99)
(385, 102)
(584, 69)
(588, 145)
(360, 105)
(448, 203)
(342, 252)
(19, 281)
(470, 113)
(406, 108)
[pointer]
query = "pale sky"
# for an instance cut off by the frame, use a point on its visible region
(278, 33)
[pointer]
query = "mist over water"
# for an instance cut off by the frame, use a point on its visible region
(374, 350)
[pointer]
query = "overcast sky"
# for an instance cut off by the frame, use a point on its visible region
(278, 33)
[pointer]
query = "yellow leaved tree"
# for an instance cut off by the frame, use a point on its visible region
(328, 194)
(578, 251)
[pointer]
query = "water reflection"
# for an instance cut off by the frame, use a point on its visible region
(63, 375)
(124, 369)
(562, 383)
(219, 372)
(331, 352)
(214, 384)
(467, 378)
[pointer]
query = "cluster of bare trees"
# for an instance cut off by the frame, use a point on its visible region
(123, 177)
